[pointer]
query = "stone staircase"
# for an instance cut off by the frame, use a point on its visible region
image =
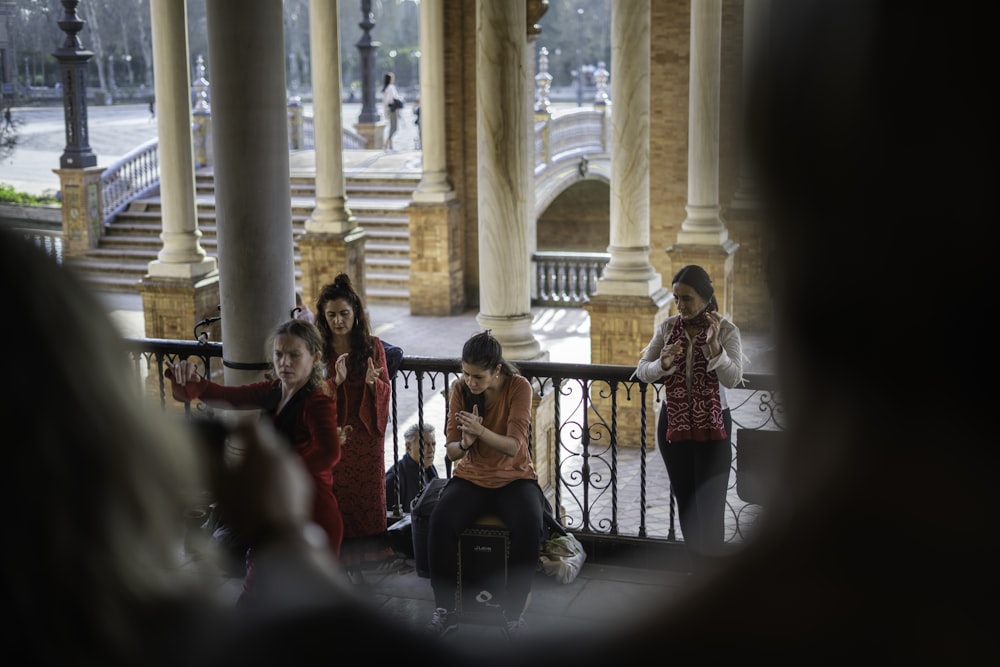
(378, 202)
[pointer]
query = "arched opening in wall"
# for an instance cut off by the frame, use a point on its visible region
(578, 220)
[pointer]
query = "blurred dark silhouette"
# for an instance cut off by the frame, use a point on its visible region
(867, 127)
(97, 482)
(869, 136)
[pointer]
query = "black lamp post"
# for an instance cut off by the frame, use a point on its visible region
(366, 47)
(73, 59)
(579, 60)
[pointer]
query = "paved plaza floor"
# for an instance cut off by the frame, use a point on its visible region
(114, 131)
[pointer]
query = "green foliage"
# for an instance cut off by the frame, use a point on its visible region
(8, 195)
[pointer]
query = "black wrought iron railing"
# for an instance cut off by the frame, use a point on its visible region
(593, 435)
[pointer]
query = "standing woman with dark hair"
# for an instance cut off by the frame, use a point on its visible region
(696, 354)
(389, 94)
(357, 372)
(489, 414)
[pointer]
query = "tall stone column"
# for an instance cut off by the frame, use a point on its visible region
(333, 242)
(501, 118)
(182, 285)
(629, 272)
(751, 296)
(630, 298)
(534, 10)
(436, 232)
(754, 23)
(253, 200)
(703, 238)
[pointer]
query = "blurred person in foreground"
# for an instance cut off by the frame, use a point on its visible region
(97, 484)
(300, 404)
(867, 127)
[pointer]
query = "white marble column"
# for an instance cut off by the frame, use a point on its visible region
(434, 186)
(754, 24)
(253, 200)
(628, 271)
(331, 214)
(182, 255)
(704, 225)
(501, 118)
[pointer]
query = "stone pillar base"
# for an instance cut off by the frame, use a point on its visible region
(374, 134)
(718, 261)
(620, 327)
(172, 307)
(436, 242)
(82, 209)
(324, 256)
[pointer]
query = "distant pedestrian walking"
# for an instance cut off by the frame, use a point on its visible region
(416, 122)
(7, 119)
(392, 104)
(152, 109)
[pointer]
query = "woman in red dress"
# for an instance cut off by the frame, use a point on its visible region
(301, 406)
(356, 369)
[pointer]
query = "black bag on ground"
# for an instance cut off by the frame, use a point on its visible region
(233, 547)
(401, 536)
(420, 516)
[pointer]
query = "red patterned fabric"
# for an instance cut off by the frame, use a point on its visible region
(359, 482)
(694, 414)
(308, 421)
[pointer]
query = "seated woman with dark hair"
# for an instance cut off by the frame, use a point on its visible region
(489, 415)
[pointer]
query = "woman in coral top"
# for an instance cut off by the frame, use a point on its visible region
(489, 414)
(301, 406)
(357, 372)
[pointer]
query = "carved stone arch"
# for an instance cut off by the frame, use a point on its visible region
(577, 217)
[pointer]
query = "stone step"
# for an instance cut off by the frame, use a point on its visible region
(378, 203)
(375, 294)
(387, 271)
(380, 187)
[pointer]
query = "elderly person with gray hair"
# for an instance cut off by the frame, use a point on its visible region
(406, 472)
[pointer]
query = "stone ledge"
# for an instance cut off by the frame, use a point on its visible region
(13, 213)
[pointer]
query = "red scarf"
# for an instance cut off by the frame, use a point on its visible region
(696, 415)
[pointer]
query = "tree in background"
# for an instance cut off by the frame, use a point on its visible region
(118, 33)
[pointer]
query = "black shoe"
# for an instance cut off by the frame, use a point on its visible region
(442, 622)
(513, 628)
(355, 576)
(387, 566)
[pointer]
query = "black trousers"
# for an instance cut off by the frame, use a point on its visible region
(518, 504)
(699, 477)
